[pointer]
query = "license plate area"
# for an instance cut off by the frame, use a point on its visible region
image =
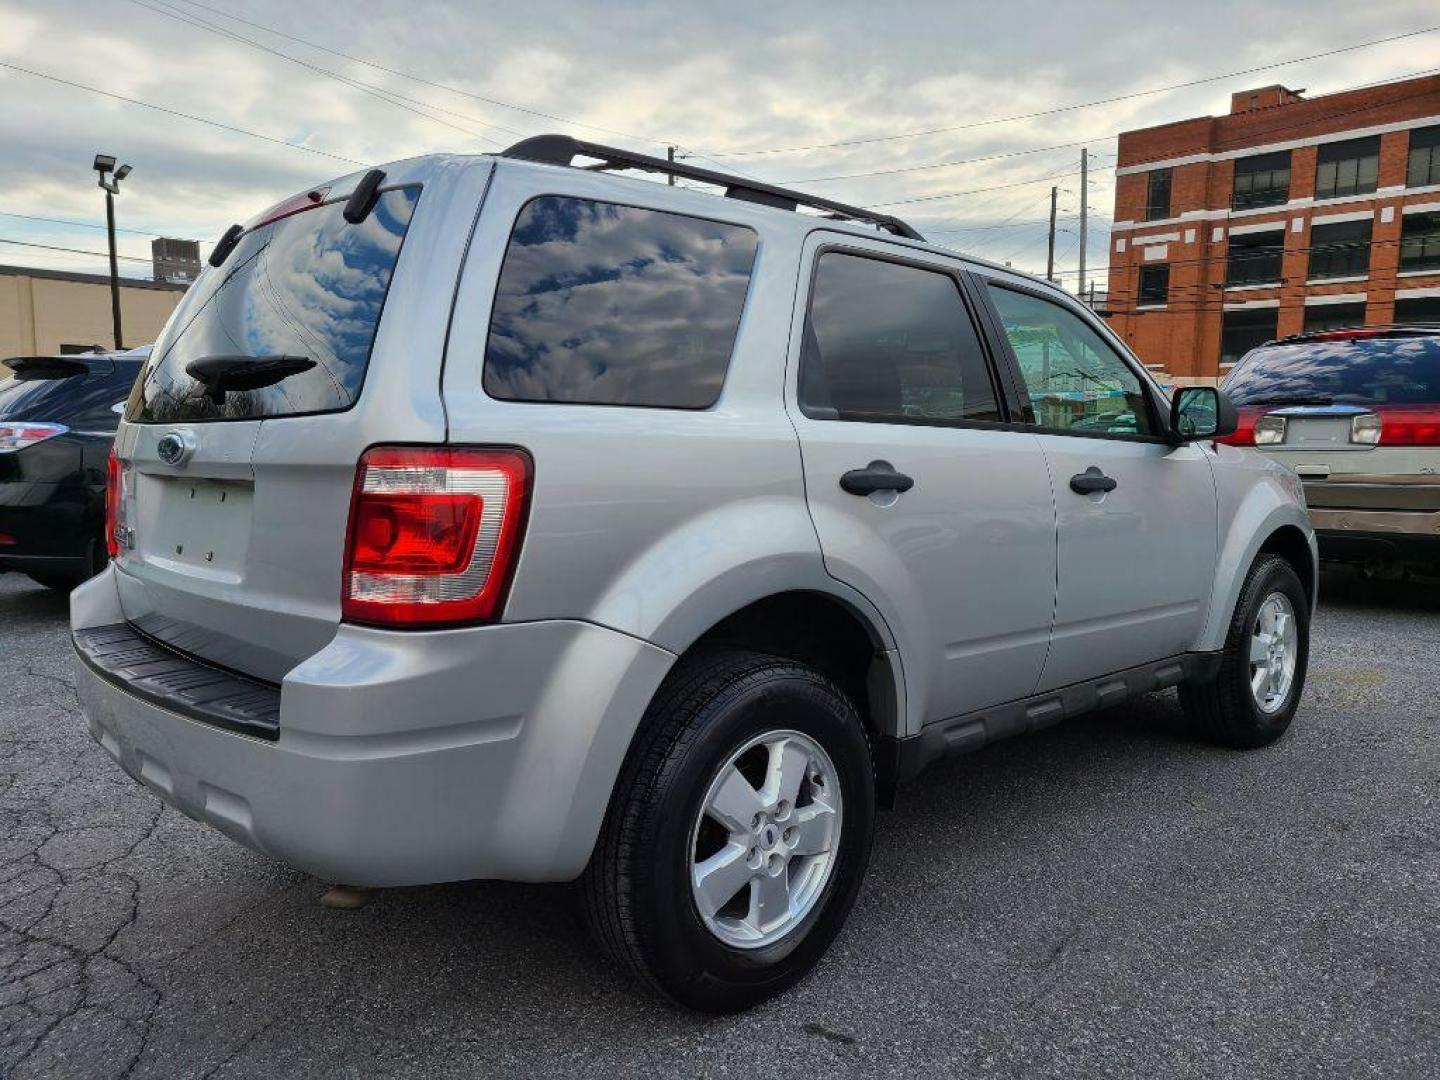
(1320, 433)
(197, 527)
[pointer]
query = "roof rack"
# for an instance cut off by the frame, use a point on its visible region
(562, 150)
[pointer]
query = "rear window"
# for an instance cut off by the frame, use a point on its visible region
(84, 401)
(1374, 371)
(602, 304)
(309, 285)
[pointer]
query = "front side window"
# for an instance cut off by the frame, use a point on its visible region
(603, 304)
(1423, 167)
(1154, 285)
(891, 343)
(1076, 381)
(1344, 168)
(1340, 249)
(1420, 242)
(1262, 180)
(1255, 258)
(1157, 194)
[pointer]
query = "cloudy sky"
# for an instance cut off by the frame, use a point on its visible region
(349, 84)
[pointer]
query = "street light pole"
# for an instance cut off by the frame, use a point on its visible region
(114, 267)
(104, 164)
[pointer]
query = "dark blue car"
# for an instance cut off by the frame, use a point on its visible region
(58, 416)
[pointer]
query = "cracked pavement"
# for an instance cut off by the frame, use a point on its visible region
(1107, 898)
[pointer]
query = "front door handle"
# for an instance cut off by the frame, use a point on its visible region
(877, 476)
(1091, 481)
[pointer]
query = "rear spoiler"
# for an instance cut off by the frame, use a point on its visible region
(57, 367)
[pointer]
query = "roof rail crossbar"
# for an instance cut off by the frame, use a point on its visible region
(562, 150)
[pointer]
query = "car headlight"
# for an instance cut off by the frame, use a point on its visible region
(1269, 430)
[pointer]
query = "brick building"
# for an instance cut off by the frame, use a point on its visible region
(1287, 214)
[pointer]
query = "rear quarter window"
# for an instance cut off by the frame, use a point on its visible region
(604, 304)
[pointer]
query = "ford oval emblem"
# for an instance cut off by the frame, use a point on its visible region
(175, 447)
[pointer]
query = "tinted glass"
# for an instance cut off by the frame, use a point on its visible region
(1423, 167)
(309, 285)
(1075, 380)
(601, 304)
(1262, 180)
(1400, 371)
(1420, 242)
(1418, 309)
(83, 402)
(1157, 194)
(1254, 258)
(1351, 167)
(1154, 284)
(1242, 330)
(1340, 249)
(1333, 316)
(891, 343)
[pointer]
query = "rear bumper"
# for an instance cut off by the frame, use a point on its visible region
(402, 758)
(1362, 517)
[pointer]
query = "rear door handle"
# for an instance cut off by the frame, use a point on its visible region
(877, 476)
(1091, 481)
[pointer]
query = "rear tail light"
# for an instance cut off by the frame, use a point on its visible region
(1365, 429)
(116, 475)
(1244, 433)
(17, 435)
(434, 534)
(1269, 430)
(1410, 426)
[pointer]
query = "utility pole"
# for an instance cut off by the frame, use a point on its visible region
(670, 154)
(104, 166)
(1050, 245)
(1084, 212)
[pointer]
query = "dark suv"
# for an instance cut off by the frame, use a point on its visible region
(1356, 413)
(58, 416)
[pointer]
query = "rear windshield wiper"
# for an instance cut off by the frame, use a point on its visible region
(1294, 399)
(221, 373)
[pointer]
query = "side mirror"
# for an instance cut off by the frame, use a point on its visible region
(1201, 412)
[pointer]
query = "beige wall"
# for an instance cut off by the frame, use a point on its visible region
(38, 315)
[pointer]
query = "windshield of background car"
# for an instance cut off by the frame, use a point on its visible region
(309, 285)
(1362, 371)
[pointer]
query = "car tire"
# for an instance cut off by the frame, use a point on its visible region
(1251, 699)
(663, 833)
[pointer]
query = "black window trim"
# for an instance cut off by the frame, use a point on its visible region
(734, 345)
(1159, 410)
(993, 363)
(156, 356)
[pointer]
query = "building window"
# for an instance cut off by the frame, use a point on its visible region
(1351, 167)
(1154, 285)
(1254, 258)
(1424, 167)
(1157, 194)
(1241, 331)
(1418, 309)
(1420, 242)
(1333, 316)
(1340, 249)
(1262, 180)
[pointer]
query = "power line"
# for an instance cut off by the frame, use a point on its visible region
(176, 112)
(424, 81)
(1080, 105)
(949, 164)
(388, 96)
(977, 191)
(70, 250)
(94, 225)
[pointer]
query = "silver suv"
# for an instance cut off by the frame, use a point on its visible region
(493, 517)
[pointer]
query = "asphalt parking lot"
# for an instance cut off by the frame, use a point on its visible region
(1108, 898)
